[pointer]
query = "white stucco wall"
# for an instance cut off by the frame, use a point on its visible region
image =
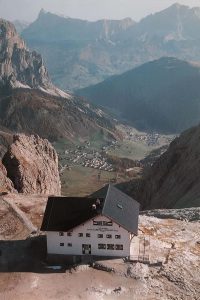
(54, 239)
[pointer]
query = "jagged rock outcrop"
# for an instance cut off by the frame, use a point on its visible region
(6, 184)
(174, 179)
(19, 66)
(32, 165)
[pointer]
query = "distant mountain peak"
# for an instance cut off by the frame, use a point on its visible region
(42, 12)
(180, 8)
(177, 6)
(19, 67)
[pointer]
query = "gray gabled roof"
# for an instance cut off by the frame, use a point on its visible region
(119, 207)
(66, 213)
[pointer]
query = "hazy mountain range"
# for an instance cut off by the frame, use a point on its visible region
(79, 53)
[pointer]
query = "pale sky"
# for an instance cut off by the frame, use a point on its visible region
(86, 9)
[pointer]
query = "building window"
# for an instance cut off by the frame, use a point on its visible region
(61, 233)
(69, 234)
(69, 244)
(109, 236)
(118, 236)
(101, 246)
(80, 234)
(118, 247)
(110, 247)
(87, 234)
(61, 244)
(100, 236)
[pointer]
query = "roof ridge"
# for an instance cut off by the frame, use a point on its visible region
(109, 185)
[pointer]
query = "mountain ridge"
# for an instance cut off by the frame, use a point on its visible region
(83, 29)
(93, 51)
(161, 95)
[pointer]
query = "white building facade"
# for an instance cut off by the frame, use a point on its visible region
(98, 236)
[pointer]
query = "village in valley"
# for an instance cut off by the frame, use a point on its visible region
(86, 155)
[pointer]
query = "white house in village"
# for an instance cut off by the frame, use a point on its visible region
(102, 224)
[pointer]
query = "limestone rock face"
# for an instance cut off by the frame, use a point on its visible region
(6, 184)
(19, 67)
(32, 165)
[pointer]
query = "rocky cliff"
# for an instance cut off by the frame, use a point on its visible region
(174, 179)
(32, 165)
(18, 66)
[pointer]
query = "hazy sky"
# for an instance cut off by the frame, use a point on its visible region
(86, 9)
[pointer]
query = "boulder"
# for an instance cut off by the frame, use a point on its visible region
(32, 165)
